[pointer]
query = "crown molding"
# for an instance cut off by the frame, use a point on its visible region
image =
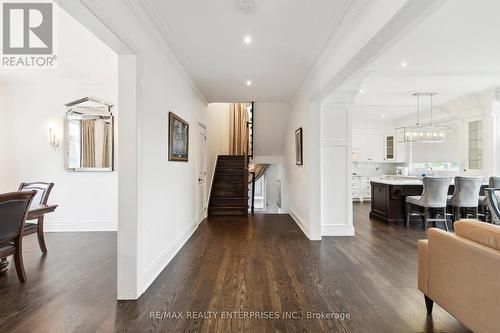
(89, 14)
(145, 15)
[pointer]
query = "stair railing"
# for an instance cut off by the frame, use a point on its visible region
(249, 155)
(250, 130)
(252, 207)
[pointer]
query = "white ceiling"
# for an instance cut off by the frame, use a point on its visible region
(454, 52)
(287, 37)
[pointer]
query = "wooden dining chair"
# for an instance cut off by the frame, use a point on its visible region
(41, 198)
(13, 211)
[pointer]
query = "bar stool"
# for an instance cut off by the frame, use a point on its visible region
(492, 195)
(493, 183)
(433, 199)
(466, 195)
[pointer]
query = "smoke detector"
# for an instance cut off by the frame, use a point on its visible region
(246, 6)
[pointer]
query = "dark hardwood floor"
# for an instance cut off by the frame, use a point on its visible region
(255, 263)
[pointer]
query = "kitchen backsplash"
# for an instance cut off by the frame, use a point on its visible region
(374, 169)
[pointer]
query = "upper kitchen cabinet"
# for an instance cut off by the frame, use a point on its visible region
(368, 147)
(389, 148)
(378, 148)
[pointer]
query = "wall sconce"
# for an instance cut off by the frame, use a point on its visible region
(53, 142)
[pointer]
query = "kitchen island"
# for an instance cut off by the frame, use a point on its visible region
(389, 196)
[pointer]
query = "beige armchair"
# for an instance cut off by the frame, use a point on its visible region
(461, 273)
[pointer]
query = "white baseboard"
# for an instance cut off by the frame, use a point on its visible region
(300, 221)
(80, 226)
(160, 262)
(337, 230)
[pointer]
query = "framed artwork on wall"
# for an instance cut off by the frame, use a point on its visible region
(298, 147)
(178, 138)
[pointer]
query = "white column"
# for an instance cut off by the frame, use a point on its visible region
(336, 165)
(312, 143)
(494, 121)
(128, 231)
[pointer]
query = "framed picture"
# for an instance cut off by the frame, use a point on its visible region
(298, 147)
(178, 138)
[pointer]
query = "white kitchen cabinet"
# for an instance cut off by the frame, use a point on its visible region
(402, 148)
(361, 188)
(389, 147)
(368, 147)
(402, 151)
(379, 148)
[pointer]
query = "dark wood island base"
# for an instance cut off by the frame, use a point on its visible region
(388, 200)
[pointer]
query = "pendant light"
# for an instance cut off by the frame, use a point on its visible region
(424, 132)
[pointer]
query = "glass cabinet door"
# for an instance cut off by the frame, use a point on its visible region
(389, 147)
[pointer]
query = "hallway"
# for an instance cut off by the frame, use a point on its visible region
(264, 263)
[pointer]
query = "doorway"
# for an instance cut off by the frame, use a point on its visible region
(202, 172)
(268, 189)
(260, 194)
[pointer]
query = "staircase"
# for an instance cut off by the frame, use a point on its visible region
(229, 194)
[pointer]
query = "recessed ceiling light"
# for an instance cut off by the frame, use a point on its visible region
(361, 91)
(247, 40)
(246, 6)
(383, 115)
(248, 83)
(404, 64)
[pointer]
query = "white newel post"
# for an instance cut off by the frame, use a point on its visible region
(336, 165)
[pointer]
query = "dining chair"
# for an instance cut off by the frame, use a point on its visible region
(432, 203)
(13, 211)
(41, 198)
(492, 199)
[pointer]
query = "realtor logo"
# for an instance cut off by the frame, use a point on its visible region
(28, 29)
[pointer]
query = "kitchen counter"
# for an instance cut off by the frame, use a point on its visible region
(388, 194)
(404, 180)
(397, 180)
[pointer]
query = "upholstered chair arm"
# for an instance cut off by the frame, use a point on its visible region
(423, 247)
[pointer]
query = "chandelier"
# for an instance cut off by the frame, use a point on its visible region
(424, 132)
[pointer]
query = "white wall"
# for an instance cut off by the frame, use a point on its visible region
(167, 190)
(298, 180)
(273, 179)
(271, 122)
(217, 137)
(31, 101)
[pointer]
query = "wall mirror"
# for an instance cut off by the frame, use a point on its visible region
(88, 128)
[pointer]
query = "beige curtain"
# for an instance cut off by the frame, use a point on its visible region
(259, 170)
(105, 147)
(88, 144)
(238, 130)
